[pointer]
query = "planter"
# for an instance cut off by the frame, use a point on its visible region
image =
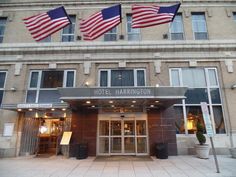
(202, 151)
(233, 152)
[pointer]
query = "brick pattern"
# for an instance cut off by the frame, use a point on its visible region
(84, 128)
(161, 127)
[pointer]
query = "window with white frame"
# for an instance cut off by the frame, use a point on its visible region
(203, 86)
(2, 84)
(132, 33)
(128, 77)
(3, 21)
(234, 16)
(176, 28)
(68, 33)
(111, 35)
(199, 26)
(42, 87)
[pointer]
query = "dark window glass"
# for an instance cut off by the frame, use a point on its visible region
(3, 21)
(215, 96)
(34, 79)
(49, 96)
(103, 78)
(70, 79)
(122, 78)
(52, 79)
(1, 96)
(31, 96)
(140, 78)
(219, 121)
(196, 95)
(2, 79)
(179, 120)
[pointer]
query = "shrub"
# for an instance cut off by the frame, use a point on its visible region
(200, 133)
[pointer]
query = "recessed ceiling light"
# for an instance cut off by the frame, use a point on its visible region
(53, 109)
(112, 106)
(19, 109)
(133, 101)
(151, 105)
(132, 105)
(88, 102)
(63, 109)
(156, 101)
(111, 101)
(93, 106)
(30, 109)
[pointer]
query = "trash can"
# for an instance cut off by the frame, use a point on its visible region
(82, 151)
(161, 150)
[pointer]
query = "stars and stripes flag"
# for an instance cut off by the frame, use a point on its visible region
(43, 25)
(101, 22)
(149, 15)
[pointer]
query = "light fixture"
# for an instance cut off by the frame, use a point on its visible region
(111, 101)
(63, 109)
(233, 86)
(87, 84)
(53, 109)
(133, 101)
(88, 102)
(36, 115)
(30, 109)
(156, 101)
(112, 106)
(132, 105)
(19, 109)
(93, 106)
(157, 85)
(64, 115)
(151, 105)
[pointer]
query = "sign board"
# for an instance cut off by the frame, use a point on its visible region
(8, 129)
(207, 120)
(66, 138)
(33, 105)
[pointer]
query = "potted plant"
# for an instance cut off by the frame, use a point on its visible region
(202, 149)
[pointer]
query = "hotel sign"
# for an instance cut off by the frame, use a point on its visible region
(33, 105)
(119, 92)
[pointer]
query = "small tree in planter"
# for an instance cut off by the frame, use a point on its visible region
(202, 149)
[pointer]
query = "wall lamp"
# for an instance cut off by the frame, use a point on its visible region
(233, 86)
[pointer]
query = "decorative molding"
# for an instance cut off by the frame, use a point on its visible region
(230, 66)
(87, 66)
(87, 56)
(209, 12)
(192, 63)
(228, 12)
(157, 65)
(157, 55)
(18, 67)
(52, 66)
(122, 64)
(186, 13)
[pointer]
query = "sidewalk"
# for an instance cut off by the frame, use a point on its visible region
(175, 166)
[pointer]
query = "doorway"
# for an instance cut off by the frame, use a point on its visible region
(122, 136)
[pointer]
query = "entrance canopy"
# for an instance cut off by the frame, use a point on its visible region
(123, 97)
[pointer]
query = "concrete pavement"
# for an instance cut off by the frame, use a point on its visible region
(174, 166)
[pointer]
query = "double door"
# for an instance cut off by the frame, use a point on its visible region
(122, 137)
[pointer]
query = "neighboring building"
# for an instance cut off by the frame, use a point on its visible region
(124, 92)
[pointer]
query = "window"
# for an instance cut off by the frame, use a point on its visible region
(111, 35)
(176, 29)
(68, 33)
(133, 33)
(203, 86)
(113, 78)
(199, 26)
(3, 21)
(43, 85)
(2, 84)
(234, 16)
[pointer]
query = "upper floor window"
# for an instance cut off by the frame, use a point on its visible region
(199, 26)
(234, 16)
(43, 85)
(2, 84)
(3, 21)
(68, 33)
(176, 29)
(111, 35)
(113, 78)
(203, 86)
(133, 33)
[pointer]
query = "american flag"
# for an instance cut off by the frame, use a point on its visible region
(146, 16)
(43, 25)
(101, 22)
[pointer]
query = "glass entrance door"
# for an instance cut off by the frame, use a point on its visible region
(122, 137)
